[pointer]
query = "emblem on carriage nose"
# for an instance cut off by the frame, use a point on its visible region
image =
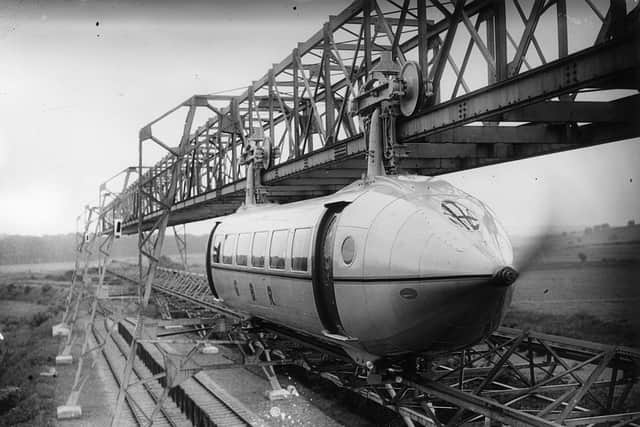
(460, 215)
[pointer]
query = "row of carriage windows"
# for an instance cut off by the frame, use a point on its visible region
(249, 249)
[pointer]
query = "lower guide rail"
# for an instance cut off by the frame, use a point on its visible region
(142, 397)
(513, 377)
(201, 401)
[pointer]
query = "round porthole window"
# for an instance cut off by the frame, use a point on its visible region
(348, 250)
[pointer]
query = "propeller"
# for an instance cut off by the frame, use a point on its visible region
(526, 255)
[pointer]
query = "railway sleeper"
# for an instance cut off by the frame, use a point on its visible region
(139, 400)
(169, 409)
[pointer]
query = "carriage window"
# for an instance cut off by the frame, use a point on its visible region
(278, 250)
(242, 252)
(300, 249)
(259, 245)
(215, 248)
(227, 250)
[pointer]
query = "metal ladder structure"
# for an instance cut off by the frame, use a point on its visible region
(77, 291)
(103, 242)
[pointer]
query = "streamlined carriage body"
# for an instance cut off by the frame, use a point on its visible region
(395, 266)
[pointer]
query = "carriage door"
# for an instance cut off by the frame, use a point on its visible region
(323, 289)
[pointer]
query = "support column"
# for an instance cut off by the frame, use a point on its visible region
(423, 42)
(375, 166)
(328, 91)
(296, 102)
(500, 43)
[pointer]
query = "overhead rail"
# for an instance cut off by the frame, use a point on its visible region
(498, 83)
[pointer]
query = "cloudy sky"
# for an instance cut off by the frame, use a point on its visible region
(79, 78)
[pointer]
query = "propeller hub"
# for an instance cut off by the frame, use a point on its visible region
(505, 276)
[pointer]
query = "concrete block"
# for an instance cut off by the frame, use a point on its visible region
(60, 329)
(51, 372)
(69, 411)
(280, 394)
(209, 349)
(64, 359)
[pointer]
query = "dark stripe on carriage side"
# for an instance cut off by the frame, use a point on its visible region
(382, 279)
(302, 275)
(306, 276)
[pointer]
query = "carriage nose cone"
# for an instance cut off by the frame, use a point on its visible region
(505, 276)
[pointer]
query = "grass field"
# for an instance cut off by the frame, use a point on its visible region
(27, 313)
(595, 299)
(19, 308)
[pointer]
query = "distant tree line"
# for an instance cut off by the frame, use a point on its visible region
(35, 249)
(15, 249)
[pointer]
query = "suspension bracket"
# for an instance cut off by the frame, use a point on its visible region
(391, 91)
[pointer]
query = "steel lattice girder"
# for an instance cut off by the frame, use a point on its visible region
(300, 103)
(616, 60)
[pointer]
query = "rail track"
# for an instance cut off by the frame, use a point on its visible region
(142, 397)
(200, 400)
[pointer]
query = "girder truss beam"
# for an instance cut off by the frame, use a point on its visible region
(589, 68)
(301, 104)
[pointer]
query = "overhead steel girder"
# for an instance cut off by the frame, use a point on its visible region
(596, 133)
(230, 198)
(622, 110)
(331, 156)
(475, 146)
(588, 68)
(547, 138)
(454, 149)
(472, 141)
(184, 215)
(538, 134)
(211, 168)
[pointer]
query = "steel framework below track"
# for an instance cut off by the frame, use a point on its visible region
(515, 377)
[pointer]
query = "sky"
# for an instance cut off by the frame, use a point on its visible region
(79, 78)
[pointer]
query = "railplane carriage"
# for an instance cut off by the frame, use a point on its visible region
(385, 267)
